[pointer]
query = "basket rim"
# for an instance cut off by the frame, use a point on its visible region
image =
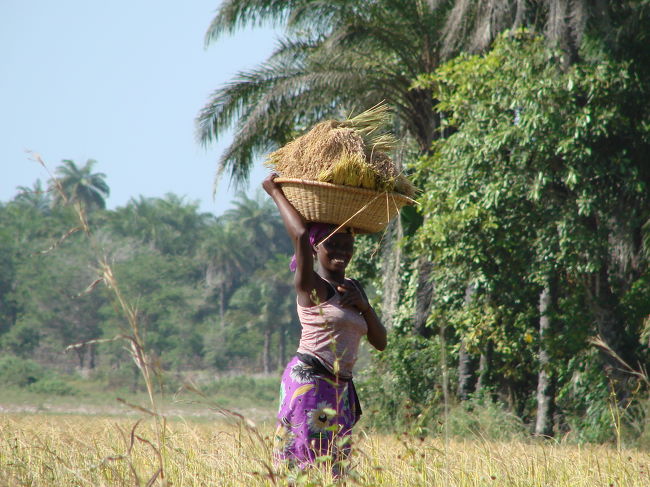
(353, 189)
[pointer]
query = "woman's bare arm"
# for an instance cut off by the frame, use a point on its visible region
(296, 227)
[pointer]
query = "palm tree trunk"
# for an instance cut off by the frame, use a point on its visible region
(282, 347)
(266, 356)
(466, 363)
(222, 302)
(545, 378)
(423, 297)
(392, 258)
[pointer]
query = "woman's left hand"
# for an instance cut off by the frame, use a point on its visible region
(352, 297)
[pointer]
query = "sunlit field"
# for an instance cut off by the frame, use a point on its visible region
(61, 450)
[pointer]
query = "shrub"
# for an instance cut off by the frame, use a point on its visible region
(15, 371)
(21, 339)
(402, 389)
(259, 390)
(53, 386)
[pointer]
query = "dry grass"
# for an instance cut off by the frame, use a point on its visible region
(41, 450)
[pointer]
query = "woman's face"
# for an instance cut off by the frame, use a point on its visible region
(335, 253)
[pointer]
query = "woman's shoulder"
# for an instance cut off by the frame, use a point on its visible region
(354, 281)
(358, 285)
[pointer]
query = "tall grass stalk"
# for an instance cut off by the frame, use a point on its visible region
(131, 334)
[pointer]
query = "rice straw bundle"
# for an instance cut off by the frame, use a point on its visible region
(350, 153)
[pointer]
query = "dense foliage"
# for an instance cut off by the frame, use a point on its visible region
(542, 186)
(210, 293)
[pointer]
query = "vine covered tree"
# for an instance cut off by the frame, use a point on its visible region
(540, 195)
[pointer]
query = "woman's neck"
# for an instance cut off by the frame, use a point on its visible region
(337, 277)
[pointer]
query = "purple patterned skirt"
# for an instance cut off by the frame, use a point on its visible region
(316, 415)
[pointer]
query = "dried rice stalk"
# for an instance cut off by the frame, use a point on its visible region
(352, 170)
(351, 153)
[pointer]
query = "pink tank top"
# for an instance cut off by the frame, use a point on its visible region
(331, 332)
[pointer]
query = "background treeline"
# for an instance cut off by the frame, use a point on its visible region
(210, 293)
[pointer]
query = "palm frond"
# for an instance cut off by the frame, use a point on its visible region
(270, 101)
(317, 15)
(298, 101)
(236, 14)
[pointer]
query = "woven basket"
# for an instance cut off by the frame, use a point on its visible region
(365, 210)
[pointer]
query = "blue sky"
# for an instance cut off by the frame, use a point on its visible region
(120, 82)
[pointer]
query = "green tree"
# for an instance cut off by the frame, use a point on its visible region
(259, 222)
(79, 185)
(36, 197)
(53, 309)
(337, 58)
(226, 254)
(8, 263)
(169, 224)
(26, 232)
(279, 308)
(539, 192)
(166, 293)
(264, 305)
(614, 27)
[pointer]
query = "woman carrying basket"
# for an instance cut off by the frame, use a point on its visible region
(318, 402)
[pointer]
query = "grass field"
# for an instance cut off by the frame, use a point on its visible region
(92, 450)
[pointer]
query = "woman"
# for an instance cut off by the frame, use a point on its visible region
(318, 403)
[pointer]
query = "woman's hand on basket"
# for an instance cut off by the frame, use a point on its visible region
(269, 184)
(352, 297)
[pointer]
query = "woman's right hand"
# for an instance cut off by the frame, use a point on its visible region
(269, 184)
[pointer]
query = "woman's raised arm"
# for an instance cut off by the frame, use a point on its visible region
(298, 232)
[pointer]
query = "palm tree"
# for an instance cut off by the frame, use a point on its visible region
(226, 254)
(275, 281)
(168, 224)
(80, 185)
(259, 220)
(137, 220)
(339, 57)
(343, 56)
(472, 25)
(265, 303)
(35, 197)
